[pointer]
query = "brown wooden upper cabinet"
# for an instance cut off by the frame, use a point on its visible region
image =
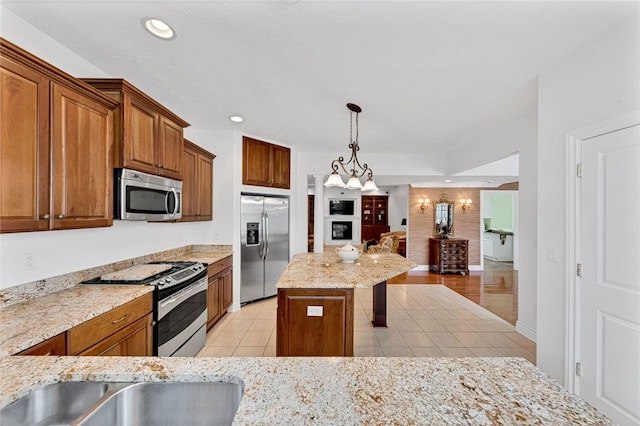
(148, 137)
(55, 148)
(197, 183)
(265, 164)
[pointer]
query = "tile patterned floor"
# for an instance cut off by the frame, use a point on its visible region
(423, 321)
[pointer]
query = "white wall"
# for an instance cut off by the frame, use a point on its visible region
(398, 206)
(520, 135)
(597, 82)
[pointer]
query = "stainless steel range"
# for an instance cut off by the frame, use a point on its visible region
(180, 299)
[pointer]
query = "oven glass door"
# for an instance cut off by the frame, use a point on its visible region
(180, 316)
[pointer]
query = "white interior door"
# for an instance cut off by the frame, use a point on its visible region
(609, 290)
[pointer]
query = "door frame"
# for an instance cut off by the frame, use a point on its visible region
(574, 140)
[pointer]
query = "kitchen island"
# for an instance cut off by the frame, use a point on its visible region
(345, 391)
(315, 300)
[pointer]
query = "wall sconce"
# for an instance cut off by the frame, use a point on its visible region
(424, 204)
(466, 204)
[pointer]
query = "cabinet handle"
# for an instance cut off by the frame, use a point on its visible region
(60, 216)
(121, 319)
(45, 216)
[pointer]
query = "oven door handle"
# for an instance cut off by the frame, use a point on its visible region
(185, 293)
(166, 202)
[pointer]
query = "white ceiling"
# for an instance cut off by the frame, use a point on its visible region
(428, 75)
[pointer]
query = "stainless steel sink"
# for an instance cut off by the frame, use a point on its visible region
(56, 404)
(169, 403)
(123, 404)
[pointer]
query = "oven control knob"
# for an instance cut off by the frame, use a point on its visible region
(161, 282)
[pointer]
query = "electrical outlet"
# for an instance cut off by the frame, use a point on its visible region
(29, 261)
(216, 235)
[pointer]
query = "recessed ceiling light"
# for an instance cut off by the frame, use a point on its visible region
(158, 28)
(448, 181)
(236, 119)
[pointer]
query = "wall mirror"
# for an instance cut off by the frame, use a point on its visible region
(443, 217)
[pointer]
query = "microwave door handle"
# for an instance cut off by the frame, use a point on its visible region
(166, 202)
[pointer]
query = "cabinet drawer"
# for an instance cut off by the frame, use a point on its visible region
(93, 331)
(218, 266)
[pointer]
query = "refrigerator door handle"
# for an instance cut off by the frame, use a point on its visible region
(262, 238)
(266, 235)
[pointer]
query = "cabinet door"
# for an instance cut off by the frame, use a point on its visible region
(213, 301)
(24, 149)
(136, 339)
(313, 322)
(170, 148)
(189, 185)
(205, 187)
(139, 135)
(81, 161)
(279, 164)
(255, 162)
(226, 288)
(56, 345)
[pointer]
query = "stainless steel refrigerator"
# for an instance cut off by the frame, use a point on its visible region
(264, 240)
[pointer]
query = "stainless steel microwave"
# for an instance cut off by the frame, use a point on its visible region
(141, 196)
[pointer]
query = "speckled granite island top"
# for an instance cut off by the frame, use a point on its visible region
(339, 391)
(326, 270)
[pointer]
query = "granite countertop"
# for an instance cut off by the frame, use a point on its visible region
(326, 270)
(345, 391)
(207, 257)
(499, 231)
(28, 323)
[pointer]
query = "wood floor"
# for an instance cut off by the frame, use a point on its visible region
(495, 288)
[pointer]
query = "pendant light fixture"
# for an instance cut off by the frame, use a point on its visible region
(352, 166)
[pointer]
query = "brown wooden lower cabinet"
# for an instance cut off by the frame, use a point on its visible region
(136, 339)
(125, 330)
(315, 322)
(219, 290)
(57, 345)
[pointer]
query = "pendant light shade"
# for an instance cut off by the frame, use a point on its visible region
(370, 185)
(354, 183)
(334, 180)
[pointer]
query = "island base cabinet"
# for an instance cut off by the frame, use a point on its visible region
(315, 322)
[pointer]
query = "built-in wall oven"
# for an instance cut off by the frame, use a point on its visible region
(180, 299)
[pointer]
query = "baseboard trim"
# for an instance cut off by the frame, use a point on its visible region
(526, 331)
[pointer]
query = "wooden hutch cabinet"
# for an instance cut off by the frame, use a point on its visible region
(265, 164)
(56, 147)
(148, 137)
(449, 255)
(197, 183)
(374, 216)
